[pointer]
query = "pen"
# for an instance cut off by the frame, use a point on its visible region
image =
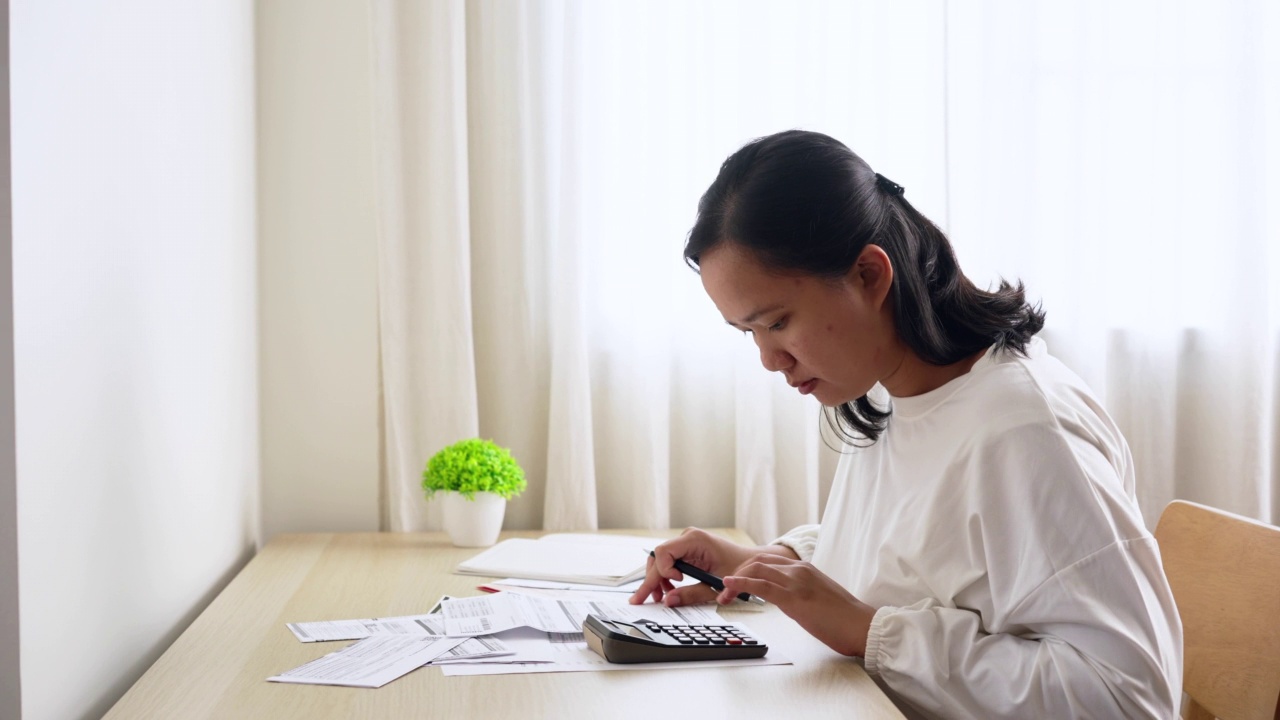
(708, 579)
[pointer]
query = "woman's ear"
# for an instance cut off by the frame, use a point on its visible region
(872, 274)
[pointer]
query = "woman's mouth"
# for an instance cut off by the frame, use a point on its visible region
(807, 386)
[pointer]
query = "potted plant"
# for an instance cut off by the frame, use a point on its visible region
(476, 477)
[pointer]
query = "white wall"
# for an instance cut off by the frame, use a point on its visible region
(318, 292)
(10, 686)
(135, 332)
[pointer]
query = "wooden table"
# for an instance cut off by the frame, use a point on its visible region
(218, 667)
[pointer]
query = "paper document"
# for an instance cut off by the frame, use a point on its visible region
(522, 645)
(621, 593)
(370, 663)
(579, 658)
(569, 653)
(488, 614)
(609, 560)
(525, 584)
(477, 649)
(329, 630)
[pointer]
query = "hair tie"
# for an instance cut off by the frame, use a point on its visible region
(889, 186)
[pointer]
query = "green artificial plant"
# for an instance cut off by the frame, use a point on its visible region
(471, 466)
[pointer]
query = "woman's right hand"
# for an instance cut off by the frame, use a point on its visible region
(702, 550)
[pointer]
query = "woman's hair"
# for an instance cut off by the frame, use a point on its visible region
(803, 202)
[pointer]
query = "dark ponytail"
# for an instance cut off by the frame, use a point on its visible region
(803, 202)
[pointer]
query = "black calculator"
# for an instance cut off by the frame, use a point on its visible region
(643, 641)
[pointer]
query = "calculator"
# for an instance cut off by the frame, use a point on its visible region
(643, 641)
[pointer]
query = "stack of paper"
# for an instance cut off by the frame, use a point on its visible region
(609, 560)
(538, 630)
(485, 635)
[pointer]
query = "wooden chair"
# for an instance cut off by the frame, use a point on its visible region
(1225, 573)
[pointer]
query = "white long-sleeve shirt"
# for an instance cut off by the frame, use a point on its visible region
(994, 525)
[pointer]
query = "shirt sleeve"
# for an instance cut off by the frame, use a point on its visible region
(1094, 640)
(802, 541)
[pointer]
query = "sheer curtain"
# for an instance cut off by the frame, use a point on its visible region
(1122, 159)
(540, 164)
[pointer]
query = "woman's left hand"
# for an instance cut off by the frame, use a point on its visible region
(819, 604)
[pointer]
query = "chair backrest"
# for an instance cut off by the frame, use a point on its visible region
(1225, 573)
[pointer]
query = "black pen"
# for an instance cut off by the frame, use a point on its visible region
(708, 579)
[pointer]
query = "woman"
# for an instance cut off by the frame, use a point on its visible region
(982, 548)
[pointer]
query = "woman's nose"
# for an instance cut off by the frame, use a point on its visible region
(775, 359)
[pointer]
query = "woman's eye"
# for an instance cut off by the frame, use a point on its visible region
(777, 326)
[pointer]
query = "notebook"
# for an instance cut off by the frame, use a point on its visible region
(565, 557)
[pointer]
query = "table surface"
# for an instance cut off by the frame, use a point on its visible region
(218, 667)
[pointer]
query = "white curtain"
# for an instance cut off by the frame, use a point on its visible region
(1122, 158)
(540, 163)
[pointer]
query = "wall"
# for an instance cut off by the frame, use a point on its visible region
(318, 291)
(134, 332)
(10, 685)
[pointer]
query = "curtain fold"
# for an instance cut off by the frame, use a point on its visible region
(424, 260)
(571, 500)
(540, 164)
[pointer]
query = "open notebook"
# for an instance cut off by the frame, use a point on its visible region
(566, 557)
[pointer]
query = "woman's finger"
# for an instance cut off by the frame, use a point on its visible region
(761, 588)
(664, 587)
(697, 594)
(653, 587)
(642, 593)
(778, 574)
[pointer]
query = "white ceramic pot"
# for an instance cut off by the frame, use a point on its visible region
(473, 523)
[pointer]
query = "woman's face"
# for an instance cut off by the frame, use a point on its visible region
(833, 339)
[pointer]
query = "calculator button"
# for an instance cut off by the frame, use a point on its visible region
(717, 641)
(684, 641)
(702, 641)
(749, 641)
(734, 641)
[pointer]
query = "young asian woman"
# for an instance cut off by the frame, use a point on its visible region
(982, 548)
